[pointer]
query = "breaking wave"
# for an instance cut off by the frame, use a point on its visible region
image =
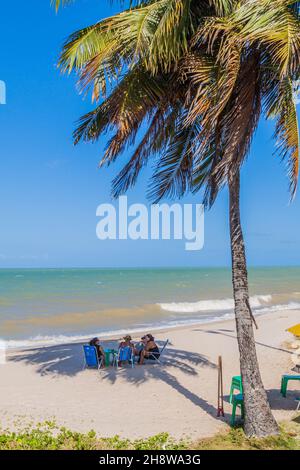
(212, 305)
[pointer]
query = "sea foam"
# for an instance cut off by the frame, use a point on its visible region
(212, 305)
(168, 324)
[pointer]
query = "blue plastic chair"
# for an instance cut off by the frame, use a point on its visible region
(125, 354)
(91, 359)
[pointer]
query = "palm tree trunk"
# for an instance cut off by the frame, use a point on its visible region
(259, 420)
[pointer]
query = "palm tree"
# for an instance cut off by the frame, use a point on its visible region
(198, 75)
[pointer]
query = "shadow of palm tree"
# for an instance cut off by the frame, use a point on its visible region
(64, 359)
(278, 402)
(67, 360)
(223, 332)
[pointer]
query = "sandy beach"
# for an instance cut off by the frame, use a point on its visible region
(179, 397)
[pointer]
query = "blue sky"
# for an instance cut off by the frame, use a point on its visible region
(49, 190)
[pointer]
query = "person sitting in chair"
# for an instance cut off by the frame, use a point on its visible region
(138, 347)
(150, 350)
(100, 351)
(126, 343)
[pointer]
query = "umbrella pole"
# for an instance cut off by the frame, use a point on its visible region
(220, 388)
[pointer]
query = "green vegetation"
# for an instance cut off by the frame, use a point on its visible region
(49, 437)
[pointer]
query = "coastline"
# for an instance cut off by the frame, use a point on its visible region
(45, 341)
(179, 397)
(47, 307)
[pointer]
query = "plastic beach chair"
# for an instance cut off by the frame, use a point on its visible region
(284, 382)
(236, 384)
(125, 354)
(91, 359)
(237, 401)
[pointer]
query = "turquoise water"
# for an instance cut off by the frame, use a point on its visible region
(47, 305)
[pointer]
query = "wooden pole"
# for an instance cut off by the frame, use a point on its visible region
(220, 388)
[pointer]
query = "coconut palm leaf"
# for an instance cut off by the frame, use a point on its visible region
(156, 33)
(280, 105)
(135, 98)
(60, 3)
(172, 176)
(155, 140)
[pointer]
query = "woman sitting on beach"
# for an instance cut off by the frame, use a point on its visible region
(138, 347)
(100, 351)
(150, 350)
(125, 344)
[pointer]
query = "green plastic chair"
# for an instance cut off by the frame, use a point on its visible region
(236, 384)
(284, 382)
(237, 401)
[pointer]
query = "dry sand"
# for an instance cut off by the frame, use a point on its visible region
(179, 397)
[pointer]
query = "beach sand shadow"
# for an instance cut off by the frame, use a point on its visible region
(278, 402)
(64, 359)
(223, 332)
(68, 360)
(185, 361)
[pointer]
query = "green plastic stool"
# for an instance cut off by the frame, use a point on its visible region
(284, 382)
(238, 401)
(236, 384)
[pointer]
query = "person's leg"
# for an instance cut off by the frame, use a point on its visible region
(142, 357)
(102, 360)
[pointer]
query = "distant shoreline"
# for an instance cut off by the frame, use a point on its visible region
(118, 334)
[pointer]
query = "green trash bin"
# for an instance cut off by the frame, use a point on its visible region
(108, 353)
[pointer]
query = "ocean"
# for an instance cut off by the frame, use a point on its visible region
(51, 306)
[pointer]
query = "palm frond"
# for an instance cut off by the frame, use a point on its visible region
(59, 3)
(136, 97)
(225, 145)
(194, 74)
(240, 119)
(153, 140)
(222, 7)
(280, 104)
(173, 174)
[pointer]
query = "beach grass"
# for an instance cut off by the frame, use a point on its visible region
(48, 436)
